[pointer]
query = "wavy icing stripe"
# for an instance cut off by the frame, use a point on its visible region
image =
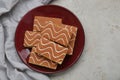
(50, 27)
(59, 37)
(71, 47)
(30, 43)
(41, 61)
(43, 21)
(51, 50)
(31, 38)
(72, 29)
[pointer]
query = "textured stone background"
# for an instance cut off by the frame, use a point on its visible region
(101, 56)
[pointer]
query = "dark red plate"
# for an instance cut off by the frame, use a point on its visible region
(49, 11)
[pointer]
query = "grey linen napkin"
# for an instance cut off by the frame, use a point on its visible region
(11, 67)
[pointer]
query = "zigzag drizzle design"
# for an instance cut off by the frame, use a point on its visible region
(53, 26)
(39, 27)
(31, 38)
(31, 43)
(49, 50)
(72, 29)
(53, 30)
(41, 61)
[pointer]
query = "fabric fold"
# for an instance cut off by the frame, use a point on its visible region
(3, 65)
(11, 67)
(6, 6)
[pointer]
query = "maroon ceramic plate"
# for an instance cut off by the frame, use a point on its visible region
(49, 11)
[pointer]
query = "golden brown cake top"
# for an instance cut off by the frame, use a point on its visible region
(40, 22)
(40, 60)
(51, 50)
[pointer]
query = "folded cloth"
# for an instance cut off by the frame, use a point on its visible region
(11, 67)
(6, 6)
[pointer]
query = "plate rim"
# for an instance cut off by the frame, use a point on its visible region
(61, 70)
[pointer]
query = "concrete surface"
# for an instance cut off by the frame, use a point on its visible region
(101, 56)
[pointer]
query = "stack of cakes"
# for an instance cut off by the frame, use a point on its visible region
(50, 40)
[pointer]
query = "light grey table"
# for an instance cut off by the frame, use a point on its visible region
(101, 56)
